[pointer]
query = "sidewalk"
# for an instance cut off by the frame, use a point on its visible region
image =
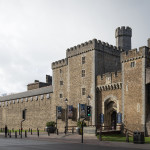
(75, 138)
(88, 139)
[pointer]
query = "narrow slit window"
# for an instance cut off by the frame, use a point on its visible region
(83, 60)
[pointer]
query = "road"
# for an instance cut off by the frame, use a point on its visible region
(64, 142)
(28, 144)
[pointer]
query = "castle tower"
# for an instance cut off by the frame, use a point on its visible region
(123, 37)
(148, 42)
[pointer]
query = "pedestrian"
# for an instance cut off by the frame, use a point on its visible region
(6, 131)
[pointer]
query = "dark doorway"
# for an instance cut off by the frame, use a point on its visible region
(113, 120)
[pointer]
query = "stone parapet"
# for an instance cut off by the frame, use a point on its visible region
(109, 78)
(60, 63)
(93, 45)
(135, 54)
(123, 31)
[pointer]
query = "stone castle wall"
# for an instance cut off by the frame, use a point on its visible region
(133, 99)
(37, 114)
(73, 82)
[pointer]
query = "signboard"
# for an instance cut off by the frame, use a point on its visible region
(70, 111)
(119, 118)
(101, 118)
(82, 110)
(59, 112)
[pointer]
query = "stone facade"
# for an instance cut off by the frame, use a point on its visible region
(116, 80)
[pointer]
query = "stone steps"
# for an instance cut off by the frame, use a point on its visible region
(89, 130)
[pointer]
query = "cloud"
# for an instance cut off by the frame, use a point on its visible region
(34, 33)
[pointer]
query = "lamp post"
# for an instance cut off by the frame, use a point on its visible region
(66, 116)
(23, 117)
(88, 97)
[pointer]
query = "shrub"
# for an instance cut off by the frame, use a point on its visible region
(79, 124)
(50, 124)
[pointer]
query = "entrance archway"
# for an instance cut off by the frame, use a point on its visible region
(110, 114)
(114, 120)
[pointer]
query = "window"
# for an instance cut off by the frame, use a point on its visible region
(61, 82)
(42, 97)
(60, 71)
(22, 100)
(31, 98)
(48, 96)
(60, 95)
(83, 73)
(26, 99)
(83, 91)
(17, 100)
(36, 98)
(83, 60)
(132, 64)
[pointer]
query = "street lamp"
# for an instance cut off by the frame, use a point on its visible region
(88, 97)
(66, 116)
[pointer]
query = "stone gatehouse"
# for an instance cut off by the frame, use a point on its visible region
(113, 80)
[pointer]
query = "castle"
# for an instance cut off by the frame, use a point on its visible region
(113, 80)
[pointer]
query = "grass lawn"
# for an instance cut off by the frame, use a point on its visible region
(120, 138)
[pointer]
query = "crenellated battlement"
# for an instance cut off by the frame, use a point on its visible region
(92, 45)
(123, 31)
(111, 80)
(60, 63)
(135, 54)
(108, 78)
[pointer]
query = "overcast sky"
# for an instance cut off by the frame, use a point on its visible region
(34, 33)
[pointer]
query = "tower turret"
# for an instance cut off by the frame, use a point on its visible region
(123, 37)
(148, 42)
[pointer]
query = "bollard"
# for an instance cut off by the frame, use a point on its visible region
(48, 132)
(65, 130)
(15, 134)
(127, 137)
(57, 132)
(19, 131)
(96, 131)
(72, 130)
(31, 131)
(10, 133)
(38, 133)
(25, 134)
(100, 135)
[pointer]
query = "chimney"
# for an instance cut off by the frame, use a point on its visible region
(49, 79)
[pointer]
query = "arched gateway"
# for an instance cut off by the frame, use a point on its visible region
(110, 110)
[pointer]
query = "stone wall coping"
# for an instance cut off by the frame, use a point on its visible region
(30, 93)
